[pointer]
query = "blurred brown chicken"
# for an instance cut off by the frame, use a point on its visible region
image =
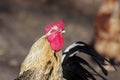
(107, 30)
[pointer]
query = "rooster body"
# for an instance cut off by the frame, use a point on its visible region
(46, 61)
(77, 68)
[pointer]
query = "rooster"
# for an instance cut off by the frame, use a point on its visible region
(107, 30)
(46, 61)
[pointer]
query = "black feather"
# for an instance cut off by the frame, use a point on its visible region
(73, 68)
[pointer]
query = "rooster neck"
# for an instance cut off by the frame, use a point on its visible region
(42, 63)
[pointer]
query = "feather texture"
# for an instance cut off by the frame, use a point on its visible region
(73, 65)
(42, 62)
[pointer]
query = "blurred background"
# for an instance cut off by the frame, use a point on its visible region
(22, 22)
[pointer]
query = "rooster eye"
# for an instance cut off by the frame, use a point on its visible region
(53, 31)
(55, 28)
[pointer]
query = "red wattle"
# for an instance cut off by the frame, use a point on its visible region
(56, 41)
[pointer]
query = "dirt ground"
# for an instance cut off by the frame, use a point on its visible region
(22, 23)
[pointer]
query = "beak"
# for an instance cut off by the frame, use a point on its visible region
(63, 31)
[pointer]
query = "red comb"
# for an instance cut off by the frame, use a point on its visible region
(59, 24)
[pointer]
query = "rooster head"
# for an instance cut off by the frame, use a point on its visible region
(54, 32)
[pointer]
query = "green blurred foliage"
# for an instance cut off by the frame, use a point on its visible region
(2, 52)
